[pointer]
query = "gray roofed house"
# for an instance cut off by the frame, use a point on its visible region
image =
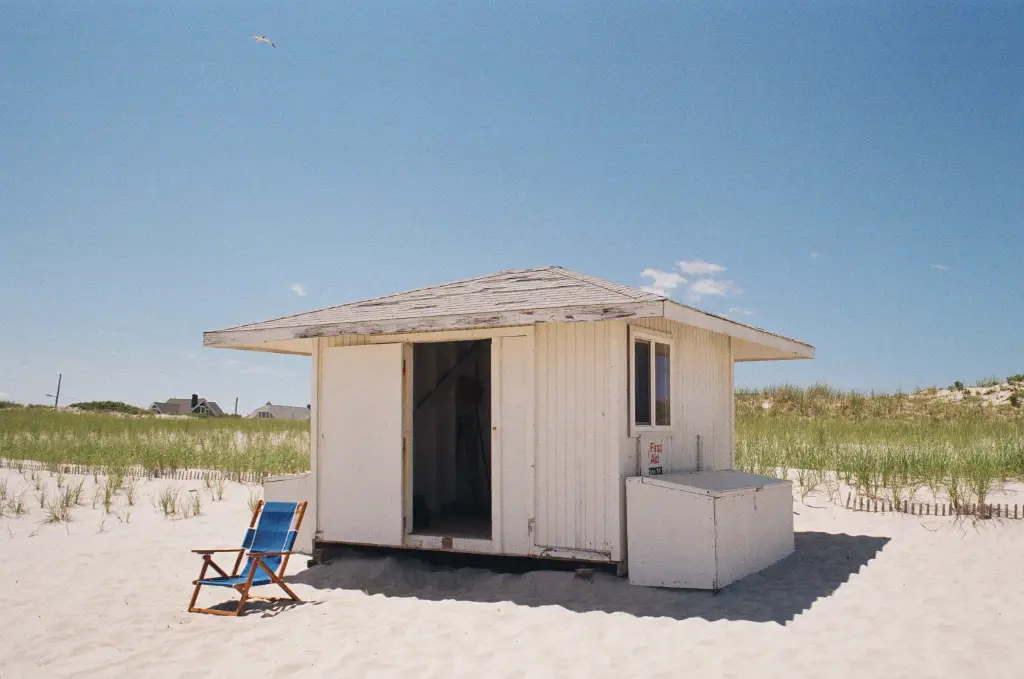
(271, 411)
(186, 406)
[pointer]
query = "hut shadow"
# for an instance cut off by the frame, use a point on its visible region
(820, 565)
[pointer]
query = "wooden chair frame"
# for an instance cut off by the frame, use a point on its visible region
(257, 562)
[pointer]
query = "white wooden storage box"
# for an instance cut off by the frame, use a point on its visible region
(704, 530)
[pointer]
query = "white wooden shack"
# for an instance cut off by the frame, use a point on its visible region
(503, 415)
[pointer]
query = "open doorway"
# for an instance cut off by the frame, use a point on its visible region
(451, 450)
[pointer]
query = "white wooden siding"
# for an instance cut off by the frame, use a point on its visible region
(360, 470)
(579, 417)
(513, 444)
(316, 384)
(702, 396)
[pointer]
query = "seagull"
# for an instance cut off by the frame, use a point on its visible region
(263, 38)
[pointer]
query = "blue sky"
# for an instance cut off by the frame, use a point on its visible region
(855, 169)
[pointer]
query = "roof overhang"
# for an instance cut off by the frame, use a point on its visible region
(295, 347)
(751, 344)
(297, 338)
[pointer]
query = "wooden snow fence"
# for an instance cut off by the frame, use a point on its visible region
(983, 510)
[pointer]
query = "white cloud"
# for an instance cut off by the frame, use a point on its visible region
(940, 267)
(698, 267)
(663, 282)
(815, 255)
(711, 287)
(4, 396)
(298, 288)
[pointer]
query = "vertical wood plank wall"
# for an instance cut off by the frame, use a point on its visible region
(579, 416)
(583, 448)
(314, 436)
(702, 396)
(513, 419)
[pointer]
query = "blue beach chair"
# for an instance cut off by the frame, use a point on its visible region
(268, 544)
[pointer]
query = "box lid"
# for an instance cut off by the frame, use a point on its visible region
(713, 483)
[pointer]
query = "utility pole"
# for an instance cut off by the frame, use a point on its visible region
(56, 399)
(236, 405)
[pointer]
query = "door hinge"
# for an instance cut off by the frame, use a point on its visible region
(530, 523)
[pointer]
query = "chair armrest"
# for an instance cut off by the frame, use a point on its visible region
(216, 551)
(261, 554)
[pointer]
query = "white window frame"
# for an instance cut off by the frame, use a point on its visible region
(654, 337)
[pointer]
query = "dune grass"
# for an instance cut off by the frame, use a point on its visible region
(885, 446)
(156, 444)
(824, 402)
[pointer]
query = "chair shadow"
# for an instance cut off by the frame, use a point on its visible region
(821, 563)
(262, 607)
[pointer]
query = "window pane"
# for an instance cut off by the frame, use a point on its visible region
(642, 382)
(662, 388)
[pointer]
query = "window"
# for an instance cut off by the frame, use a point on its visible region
(662, 389)
(642, 382)
(652, 389)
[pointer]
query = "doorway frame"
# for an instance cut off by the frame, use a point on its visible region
(410, 541)
(492, 545)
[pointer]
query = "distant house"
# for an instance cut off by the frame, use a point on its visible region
(186, 406)
(276, 412)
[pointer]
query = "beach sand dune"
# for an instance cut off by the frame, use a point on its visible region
(864, 595)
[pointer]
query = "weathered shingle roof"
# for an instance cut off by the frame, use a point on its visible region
(283, 412)
(182, 406)
(213, 407)
(518, 290)
(506, 299)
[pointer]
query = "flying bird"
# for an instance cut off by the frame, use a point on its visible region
(263, 38)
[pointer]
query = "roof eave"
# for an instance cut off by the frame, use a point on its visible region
(243, 338)
(296, 339)
(775, 347)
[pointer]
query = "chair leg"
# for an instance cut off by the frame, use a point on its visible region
(287, 589)
(192, 603)
(276, 579)
(244, 590)
(202, 574)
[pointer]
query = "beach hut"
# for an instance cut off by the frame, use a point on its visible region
(504, 414)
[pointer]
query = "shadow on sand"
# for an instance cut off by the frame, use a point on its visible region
(262, 607)
(821, 563)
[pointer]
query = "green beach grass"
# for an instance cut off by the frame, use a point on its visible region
(157, 444)
(884, 446)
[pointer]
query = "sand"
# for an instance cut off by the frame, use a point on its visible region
(997, 394)
(864, 595)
